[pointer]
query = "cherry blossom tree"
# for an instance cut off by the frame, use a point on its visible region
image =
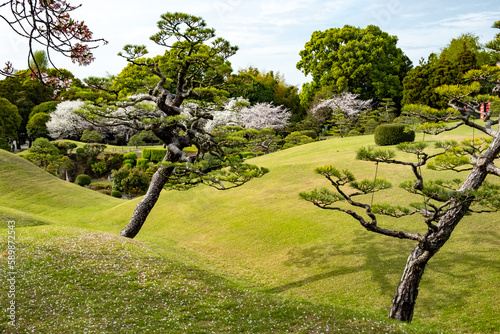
(345, 103)
(49, 23)
(65, 123)
(265, 115)
(238, 112)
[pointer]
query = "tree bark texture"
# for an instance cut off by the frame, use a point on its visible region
(404, 301)
(149, 200)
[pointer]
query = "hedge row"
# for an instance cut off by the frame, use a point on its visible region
(154, 154)
(393, 134)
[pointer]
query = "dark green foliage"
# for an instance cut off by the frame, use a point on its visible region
(37, 126)
(295, 139)
(45, 107)
(4, 145)
(393, 134)
(448, 69)
(25, 94)
(114, 160)
(100, 168)
(10, 120)
(116, 193)
(43, 152)
(154, 154)
(136, 140)
(93, 150)
(309, 133)
(130, 156)
(91, 136)
(131, 181)
(83, 180)
(143, 163)
(361, 61)
(370, 127)
(65, 147)
(259, 93)
(354, 133)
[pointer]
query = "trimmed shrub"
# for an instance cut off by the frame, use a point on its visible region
(393, 134)
(296, 139)
(91, 136)
(143, 163)
(129, 162)
(154, 154)
(130, 181)
(99, 168)
(130, 156)
(83, 180)
(370, 127)
(246, 155)
(309, 133)
(354, 133)
(114, 160)
(116, 193)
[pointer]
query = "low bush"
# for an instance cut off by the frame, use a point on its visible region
(143, 163)
(83, 180)
(154, 154)
(99, 168)
(130, 162)
(130, 156)
(116, 193)
(296, 139)
(393, 134)
(354, 133)
(309, 133)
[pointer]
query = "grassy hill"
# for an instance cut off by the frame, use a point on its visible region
(262, 237)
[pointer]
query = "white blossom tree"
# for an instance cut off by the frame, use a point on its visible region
(238, 112)
(65, 123)
(265, 115)
(346, 103)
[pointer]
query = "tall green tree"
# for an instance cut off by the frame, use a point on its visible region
(10, 120)
(421, 82)
(361, 61)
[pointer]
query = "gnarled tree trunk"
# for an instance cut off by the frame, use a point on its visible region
(403, 303)
(145, 206)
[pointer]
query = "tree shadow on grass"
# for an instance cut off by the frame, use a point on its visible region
(374, 254)
(448, 285)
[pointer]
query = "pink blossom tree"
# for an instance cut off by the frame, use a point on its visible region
(49, 23)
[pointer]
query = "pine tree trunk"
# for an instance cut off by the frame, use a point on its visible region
(403, 303)
(145, 206)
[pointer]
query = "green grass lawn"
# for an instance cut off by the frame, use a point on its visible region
(263, 238)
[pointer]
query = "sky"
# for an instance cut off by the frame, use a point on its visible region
(270, 33)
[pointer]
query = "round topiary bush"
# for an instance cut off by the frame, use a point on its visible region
(83, 180)
(116, 193)
(393, 134)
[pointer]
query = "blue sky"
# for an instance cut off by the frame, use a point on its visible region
(270, 33)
